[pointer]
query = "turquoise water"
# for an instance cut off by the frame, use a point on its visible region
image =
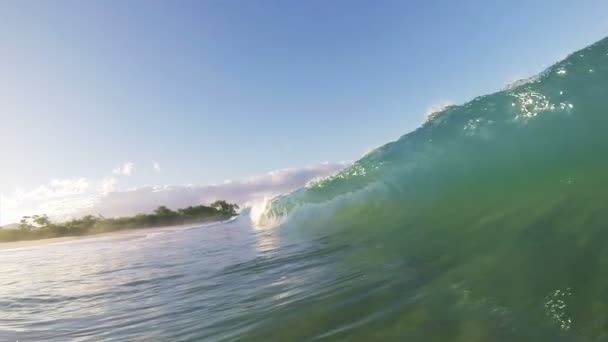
(488, 223)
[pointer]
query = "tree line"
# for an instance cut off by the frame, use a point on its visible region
(41, 227)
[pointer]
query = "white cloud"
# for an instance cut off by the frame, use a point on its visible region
(107, 185)
(126, 169)
(156, 166)
(56, 188)
(55, 197)
(62, 199)
(6, 205)
(246, 191)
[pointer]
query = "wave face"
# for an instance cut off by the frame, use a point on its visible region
(500, 206)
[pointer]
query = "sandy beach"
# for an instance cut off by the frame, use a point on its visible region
(111, 235)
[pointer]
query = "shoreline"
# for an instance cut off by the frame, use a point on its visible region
(41, 242)
(10, 245)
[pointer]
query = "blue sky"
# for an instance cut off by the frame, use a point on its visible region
(219, 89)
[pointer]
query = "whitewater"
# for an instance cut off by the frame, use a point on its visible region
(487, 223)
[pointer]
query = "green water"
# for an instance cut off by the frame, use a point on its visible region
(488, 223)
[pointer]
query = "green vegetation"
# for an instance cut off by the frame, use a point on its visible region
(40, 226)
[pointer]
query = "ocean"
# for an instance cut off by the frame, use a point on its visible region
(487, 223)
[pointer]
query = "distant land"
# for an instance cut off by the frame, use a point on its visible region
(38, 227)
(10, 226)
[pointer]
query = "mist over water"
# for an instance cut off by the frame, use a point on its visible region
(488, 223)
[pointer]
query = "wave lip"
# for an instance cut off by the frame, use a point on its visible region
(532, 118)
(502, 201)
